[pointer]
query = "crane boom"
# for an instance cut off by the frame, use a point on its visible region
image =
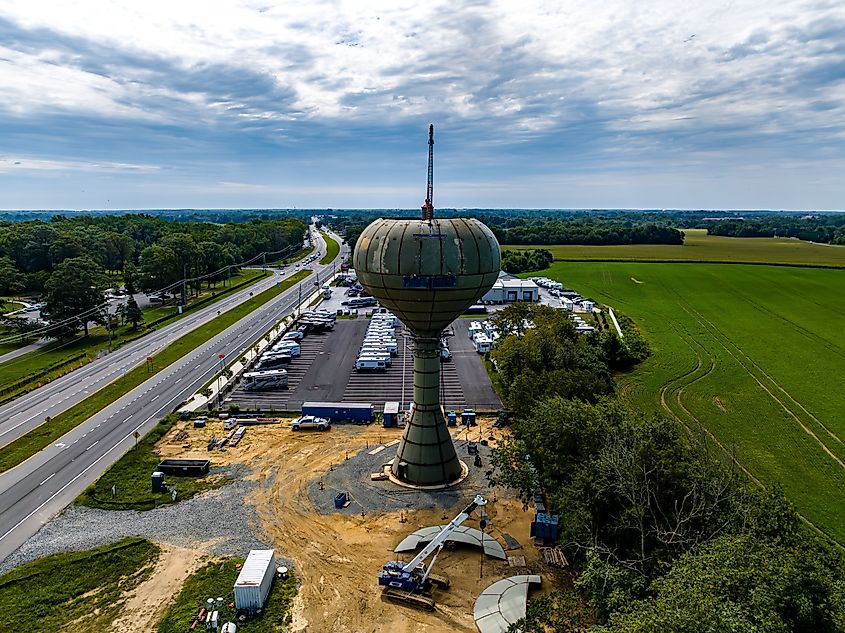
(441, 537)
(428, 207)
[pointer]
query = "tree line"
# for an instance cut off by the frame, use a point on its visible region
(515, 262)
(73, 259)
(537, 227)
(827, 229)
(664, 532)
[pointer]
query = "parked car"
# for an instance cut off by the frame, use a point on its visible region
(310, 422)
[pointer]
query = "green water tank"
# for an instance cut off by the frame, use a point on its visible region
(427, 272)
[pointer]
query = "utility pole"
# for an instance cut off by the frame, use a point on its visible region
(184, 281)
(264, 262)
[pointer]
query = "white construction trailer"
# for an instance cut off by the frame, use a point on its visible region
(254, 581)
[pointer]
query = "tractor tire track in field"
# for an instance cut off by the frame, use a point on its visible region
(774, 382)
(702, 427)
(716, 335)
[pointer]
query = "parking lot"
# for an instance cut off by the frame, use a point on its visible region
(325, 373)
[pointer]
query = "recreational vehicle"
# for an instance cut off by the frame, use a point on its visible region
(269, 379)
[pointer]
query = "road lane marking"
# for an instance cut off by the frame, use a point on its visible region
(48, 479)
(92, 445)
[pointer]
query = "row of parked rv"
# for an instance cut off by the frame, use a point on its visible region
(379, 345)
(548, 284)
(484, 336)
(271, 370)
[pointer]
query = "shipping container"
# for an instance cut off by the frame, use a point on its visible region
(254, 581)
(340, 411)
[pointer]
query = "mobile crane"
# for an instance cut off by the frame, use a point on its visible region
(411, 583)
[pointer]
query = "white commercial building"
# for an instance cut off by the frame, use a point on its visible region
(508, 289)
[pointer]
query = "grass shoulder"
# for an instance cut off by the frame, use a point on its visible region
(130, 477)
(47, 433)
(218, 579)
(82, 589)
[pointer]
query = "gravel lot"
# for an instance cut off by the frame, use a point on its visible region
(219, 518)
(377, 497)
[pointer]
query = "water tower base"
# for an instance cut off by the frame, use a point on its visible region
(405, 484)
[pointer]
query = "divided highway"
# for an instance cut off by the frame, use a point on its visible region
(23, 414)
(40, 487)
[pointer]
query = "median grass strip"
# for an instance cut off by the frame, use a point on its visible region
(218, 579)
(130, 476)
(39, 364)
(47, 433)
(79, 588)
(332, 249)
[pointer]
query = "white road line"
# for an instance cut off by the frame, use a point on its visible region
(155, 398)
(92, 445)
(48, 479)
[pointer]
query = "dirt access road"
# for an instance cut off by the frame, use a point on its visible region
(337, 556)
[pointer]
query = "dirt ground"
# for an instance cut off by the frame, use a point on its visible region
(337, 557)
(146, 605)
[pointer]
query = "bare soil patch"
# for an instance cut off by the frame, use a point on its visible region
(146, 604)
(337, 555)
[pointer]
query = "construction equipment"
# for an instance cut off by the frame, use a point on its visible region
(411, 583)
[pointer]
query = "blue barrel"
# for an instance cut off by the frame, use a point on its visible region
(452, 418)
(340, 499)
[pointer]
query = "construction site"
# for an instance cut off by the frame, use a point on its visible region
(389, 524)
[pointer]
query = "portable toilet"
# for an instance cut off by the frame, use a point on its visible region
(158, 482)
(391, 414)
(452, 418)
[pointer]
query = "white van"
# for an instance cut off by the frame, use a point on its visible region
(370, 364)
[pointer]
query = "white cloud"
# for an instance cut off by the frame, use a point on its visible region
(11, 165)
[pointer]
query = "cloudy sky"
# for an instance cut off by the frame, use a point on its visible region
(617, 104)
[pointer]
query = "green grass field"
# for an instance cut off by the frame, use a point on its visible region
(700, 247)
(754, 354)
(78, 590)
(332, 249)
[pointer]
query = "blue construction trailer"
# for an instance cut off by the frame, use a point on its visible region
(355, 412)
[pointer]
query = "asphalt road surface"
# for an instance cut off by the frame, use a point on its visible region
(40, 487)
(29, 411)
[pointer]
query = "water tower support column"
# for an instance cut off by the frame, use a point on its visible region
(426, 455)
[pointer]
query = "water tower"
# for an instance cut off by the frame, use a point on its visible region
(427, 272)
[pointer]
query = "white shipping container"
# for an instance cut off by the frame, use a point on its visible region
(254, 581)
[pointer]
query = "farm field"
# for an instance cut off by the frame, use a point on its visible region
(753, 354)
(700, 247)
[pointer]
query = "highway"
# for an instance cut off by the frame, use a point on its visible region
(29, 411)
(36, 490)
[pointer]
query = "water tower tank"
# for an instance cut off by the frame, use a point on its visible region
(427, 272)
